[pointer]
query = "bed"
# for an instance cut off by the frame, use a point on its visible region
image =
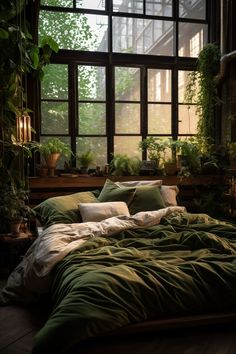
(119, 258)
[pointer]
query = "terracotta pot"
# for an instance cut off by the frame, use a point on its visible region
(51, 162)
(171, 169)
(15, 227)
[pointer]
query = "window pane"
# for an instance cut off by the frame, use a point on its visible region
(131, 6)
(192, 38)
(159, 8)
(75, 31)
(127, 145)
(139, 36)
(91, 4)
(188, 119)
(55, 82)
(91, 83)
(159, 119)
(192, 9)
(127, 84)
(182, 83)
(65, 139)
(92, 118)
(61, 3)
(127, 117)
(159, 85)
(54, 118)
(97, 145)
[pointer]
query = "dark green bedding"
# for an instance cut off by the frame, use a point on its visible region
(182, 266)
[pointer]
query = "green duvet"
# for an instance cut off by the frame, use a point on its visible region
(182, 266)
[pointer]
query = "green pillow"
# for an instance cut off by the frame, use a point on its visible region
(63, 209)
(146, 198)
(112, 193)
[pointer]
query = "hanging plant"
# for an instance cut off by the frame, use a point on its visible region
(201, 90)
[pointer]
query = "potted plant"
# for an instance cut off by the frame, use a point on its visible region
(155, 148)
(13, 207)
(85, 159)
(123, 165)
(188, 156)
(51, 151)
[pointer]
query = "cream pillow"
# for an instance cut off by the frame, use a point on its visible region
(169, 194)
(156, 182)
(102, 211)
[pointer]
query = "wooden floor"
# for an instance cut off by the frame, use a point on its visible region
(18, 325)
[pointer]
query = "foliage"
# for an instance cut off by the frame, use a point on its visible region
(231, 146)
(13, 197)
(53, 145)
(190, 155)
(123, 165)
(202, 89)
(19, 58)
(155, 147)
(85, 159)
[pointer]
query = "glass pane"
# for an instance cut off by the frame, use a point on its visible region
(127, 117)
(54, 118)
(159, 119)
(159, 85)
(76, 31)
(182, 83)
(188, 119)
(192, 9)
(127, 84)
(139, 36)
(91, 83)
(55, 82)
(192, 38)
(131, 6)
(61, 3)
(92, 118)
(97, 145)
(159, 8)
(91, 4)
(65, 139)
(127, 145)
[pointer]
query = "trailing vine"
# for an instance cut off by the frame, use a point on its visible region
(201, 90)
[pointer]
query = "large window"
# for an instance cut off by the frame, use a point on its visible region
(121, 71)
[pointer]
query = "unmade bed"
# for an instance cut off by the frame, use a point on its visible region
(107, 275)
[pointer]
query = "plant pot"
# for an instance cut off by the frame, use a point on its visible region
(84, 170)
(51, 162)
(15, 225)
(171, 168)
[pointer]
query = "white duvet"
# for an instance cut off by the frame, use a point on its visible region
(32, 276)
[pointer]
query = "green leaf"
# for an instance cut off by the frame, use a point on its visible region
(3, 34)
(48, 40)
(34, 55)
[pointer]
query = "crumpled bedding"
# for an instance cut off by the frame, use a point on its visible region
(121, 271)
(32, 276)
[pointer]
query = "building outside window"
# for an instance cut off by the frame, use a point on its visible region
(121, 72)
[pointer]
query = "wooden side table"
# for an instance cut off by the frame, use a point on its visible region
(12, 249)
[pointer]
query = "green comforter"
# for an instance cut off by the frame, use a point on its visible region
(182, 266)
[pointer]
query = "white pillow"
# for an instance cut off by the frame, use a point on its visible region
(169, 194)
(156, 182)
(102, 211)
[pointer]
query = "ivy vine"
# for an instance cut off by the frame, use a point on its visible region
(201, 90)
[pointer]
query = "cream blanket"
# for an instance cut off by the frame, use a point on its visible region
(32, 276)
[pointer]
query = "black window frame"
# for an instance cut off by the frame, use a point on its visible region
(111, 59)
